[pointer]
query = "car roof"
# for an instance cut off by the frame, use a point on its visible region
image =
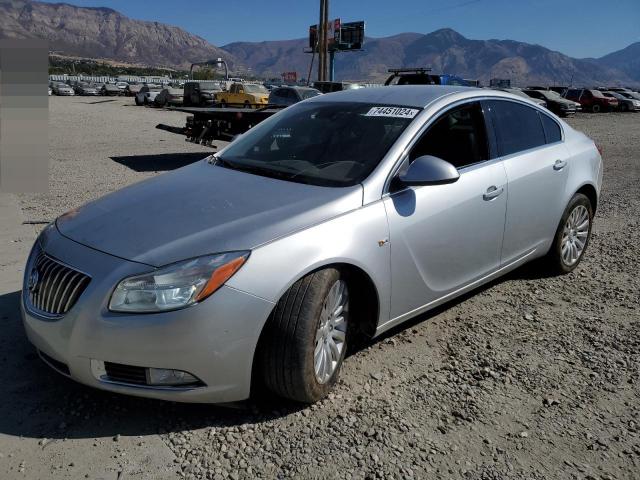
(406, 95)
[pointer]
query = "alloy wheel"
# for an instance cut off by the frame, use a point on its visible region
(332, 332)
(574, 235)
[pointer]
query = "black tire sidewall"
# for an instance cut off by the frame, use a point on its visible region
(556, 248)
(286, 350)
(310, 322)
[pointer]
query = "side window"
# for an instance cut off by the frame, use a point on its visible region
(459, 136)
(518, 127)
(552, 130)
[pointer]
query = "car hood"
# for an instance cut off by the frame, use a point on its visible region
(201, 209)
(564, 101)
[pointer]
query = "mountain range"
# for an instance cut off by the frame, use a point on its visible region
(106, 33)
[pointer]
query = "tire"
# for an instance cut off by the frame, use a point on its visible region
(296, 333)
(223, 104)
(138, 101)
(595, 108)
(247, 104)
(624, 108)
(556, 259)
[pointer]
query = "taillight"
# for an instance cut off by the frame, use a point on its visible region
(600, 150)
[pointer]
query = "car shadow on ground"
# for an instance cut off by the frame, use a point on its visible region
(160, 162)
(37, 402)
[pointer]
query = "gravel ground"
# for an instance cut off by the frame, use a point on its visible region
(528, 378)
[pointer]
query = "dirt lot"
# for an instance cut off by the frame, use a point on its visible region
(528, 378)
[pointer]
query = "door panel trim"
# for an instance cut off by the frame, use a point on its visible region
(470, 286)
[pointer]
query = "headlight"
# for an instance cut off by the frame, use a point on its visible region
(176, 286)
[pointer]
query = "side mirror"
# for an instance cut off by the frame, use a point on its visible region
(429, 170)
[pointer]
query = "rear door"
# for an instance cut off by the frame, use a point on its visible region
(444, 237)
(534, 155)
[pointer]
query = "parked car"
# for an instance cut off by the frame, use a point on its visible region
(50, 91)
(122, 86)
(559, 90)
(624, 104)
(328, 87)
(288, 95)
(133, 89)
(422, 76)
(520, 93)
(591, 100)
(200, 93)
(110, 89)
(345, 213)
(555, 103)
(147, 94)
(62, 89)
(169, 96)
(629, 94)
(247, 95)
(87, 89)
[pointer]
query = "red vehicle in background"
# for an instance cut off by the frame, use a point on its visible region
(591, 100)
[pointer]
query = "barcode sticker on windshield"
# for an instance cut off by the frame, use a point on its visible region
(398, 112)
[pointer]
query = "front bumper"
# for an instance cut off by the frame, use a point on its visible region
(214, 340)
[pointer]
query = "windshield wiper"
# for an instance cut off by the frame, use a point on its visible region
(262, 171)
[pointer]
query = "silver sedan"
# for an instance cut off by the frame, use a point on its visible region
(343, 215)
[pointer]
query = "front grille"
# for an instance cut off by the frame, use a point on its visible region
(54, 288)
(117, 372)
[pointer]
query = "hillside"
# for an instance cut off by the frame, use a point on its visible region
(444, 50)
(103, 33)
(626, 60)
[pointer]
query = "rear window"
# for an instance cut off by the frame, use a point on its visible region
(551, 128)
(518, 127)
(308, 93)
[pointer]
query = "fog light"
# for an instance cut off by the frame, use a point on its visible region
(165, 376)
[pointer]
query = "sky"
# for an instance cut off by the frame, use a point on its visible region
(579, 28)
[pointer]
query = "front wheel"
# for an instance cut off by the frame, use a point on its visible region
(573, 235)
(305, 338)
(596, 108)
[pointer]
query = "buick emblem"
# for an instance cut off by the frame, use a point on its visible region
(34, 277)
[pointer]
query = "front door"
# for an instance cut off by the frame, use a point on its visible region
(444, 237)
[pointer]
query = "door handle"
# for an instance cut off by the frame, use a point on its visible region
(492, 192)
(559, 164)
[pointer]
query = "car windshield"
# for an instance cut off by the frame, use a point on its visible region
(597, 93)
(334, 144)
(249, 88)
(308, 93)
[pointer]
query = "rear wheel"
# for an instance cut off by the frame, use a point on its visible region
(223, 104)
(247, 104)
(572, 236)
(624, 107)
(305, 338)
(138, 101)
(595, 108)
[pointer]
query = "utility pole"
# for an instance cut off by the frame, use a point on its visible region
(322, 40)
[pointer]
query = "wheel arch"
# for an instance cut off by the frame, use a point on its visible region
(363, 294)
(591, 193)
